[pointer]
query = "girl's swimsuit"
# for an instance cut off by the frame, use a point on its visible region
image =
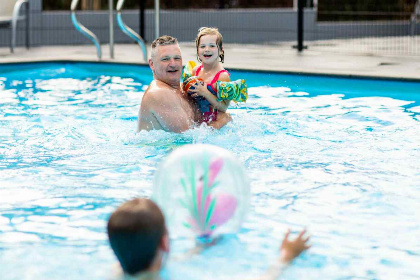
(209, 113)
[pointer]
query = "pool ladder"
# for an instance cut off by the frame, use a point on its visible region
(91, 36)
(130, 32)
(82, 29)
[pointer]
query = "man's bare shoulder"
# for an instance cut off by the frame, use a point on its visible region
(159, 91)
(156, 96)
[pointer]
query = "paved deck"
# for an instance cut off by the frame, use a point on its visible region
(326, 59)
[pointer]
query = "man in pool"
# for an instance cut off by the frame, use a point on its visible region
(164, 105)
(139, 238)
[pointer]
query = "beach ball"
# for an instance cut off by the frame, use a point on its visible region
(191, 83)
(202, 190)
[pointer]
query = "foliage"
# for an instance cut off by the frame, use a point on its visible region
(176, 4)
(328, 10)
(356, 10)
(56, 4)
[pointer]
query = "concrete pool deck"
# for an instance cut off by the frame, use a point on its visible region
(336, 58)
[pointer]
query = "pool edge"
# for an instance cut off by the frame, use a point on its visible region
(290, 72)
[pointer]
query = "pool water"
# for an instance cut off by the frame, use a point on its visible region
(337, 156)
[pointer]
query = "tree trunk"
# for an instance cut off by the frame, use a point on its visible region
(96, 4)
(91, 5)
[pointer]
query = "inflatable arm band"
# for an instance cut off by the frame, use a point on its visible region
(235, 90)
(188, 69)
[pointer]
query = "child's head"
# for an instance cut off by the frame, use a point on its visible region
(137, 231)
(203, 31)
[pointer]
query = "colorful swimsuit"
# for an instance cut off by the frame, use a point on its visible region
(209, 113)
(235, 91)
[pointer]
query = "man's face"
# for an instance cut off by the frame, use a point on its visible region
(166, 64)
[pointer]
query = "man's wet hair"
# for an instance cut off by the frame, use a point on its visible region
(164, 40)
(135, 230)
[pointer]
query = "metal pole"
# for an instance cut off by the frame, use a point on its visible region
(27, 25)
(300, 26)
(141, 23)
(111, 28)
(157, 14)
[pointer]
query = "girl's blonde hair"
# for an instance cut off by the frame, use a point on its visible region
(219, 40)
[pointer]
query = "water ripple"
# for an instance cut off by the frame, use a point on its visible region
(340, 159)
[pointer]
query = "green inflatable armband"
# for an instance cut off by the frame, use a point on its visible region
(235, 90)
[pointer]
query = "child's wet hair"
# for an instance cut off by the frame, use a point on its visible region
(219, 40)
(135, 230)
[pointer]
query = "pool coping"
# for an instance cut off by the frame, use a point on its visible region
(286, 72)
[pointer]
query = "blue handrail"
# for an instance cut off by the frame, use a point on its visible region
(130, 32)
(82, 29)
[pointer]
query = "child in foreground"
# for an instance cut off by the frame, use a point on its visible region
(209, 83)
(138, 236)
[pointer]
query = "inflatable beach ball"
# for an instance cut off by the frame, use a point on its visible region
(202, 190)
(191, 83)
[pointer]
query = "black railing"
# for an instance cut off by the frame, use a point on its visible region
(383, 29)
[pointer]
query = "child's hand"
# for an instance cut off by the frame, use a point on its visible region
(200, 90)
(290, 249)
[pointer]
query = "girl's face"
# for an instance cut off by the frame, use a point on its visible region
(208, 52)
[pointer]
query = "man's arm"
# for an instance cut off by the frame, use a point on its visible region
(222, 120)
(161, 109)
(146, 118)
(173, 119)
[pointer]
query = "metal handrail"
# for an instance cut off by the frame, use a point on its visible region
(130, 32)
(15, 18)
(82, 29)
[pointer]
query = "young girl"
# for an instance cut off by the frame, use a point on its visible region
(215, 80)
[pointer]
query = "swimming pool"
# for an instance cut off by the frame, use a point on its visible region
(338, 156)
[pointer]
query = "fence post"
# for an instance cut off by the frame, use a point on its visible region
(300, 45)
(111, 28)
(157, 19)
(141, 18)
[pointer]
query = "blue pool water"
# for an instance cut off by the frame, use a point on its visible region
(337, 156)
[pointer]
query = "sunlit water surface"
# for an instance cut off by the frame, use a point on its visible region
(339, 157)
